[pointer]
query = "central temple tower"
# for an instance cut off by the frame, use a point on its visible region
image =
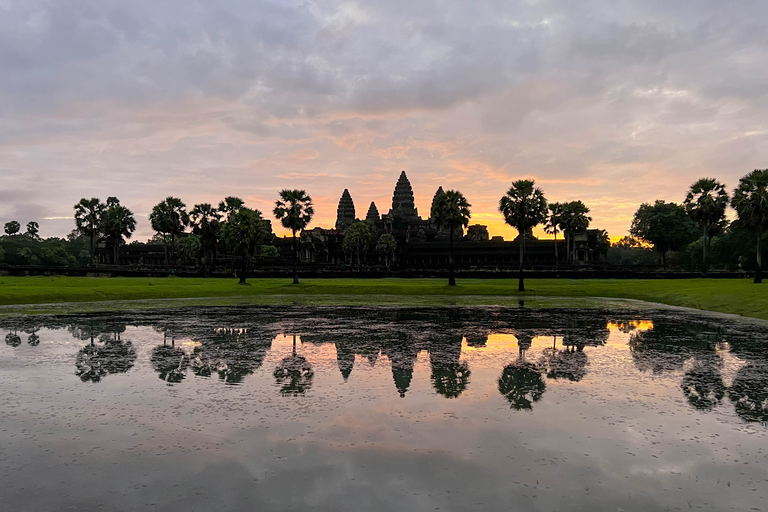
(403, 204)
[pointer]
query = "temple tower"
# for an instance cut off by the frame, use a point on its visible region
(373, 214)
(403, 204)
(434, 198)
(345, 213)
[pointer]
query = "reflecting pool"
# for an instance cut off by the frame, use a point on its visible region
(383, 409)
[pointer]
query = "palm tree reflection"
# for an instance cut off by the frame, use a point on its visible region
(521, 382)
(749, 392)
(450, 376)
(232, 353)
(703, 383)
(169, 362)
(294, 375)
(94, 361)
(12, 339)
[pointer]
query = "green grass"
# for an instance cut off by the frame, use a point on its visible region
(62, 294)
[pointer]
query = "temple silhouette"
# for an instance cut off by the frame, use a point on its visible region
(420, 244)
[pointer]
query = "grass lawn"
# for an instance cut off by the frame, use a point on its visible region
(737, 296)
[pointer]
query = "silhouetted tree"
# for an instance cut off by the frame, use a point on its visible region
(574, 220)
(358, 238)
(206, 223)
(450, 210)
(33, 230)
(294, 210)
(88, 214)
(12, 227)
(190, 248)
(169, 218)
(665, 225)
(387, 245)
(750, 200)
(705, 203)
(245, 230)
(117, 223)
(524, 207)
(229, 207)
(554, 224)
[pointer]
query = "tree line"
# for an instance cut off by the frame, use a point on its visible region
(701, 217)
(242, 231)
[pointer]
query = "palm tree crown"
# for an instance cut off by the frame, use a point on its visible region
(523, 206)
(750, 200)
(294, 209)
(88, 214)
(706, 202)
(450, 210)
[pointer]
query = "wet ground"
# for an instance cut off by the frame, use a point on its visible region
(296, 408)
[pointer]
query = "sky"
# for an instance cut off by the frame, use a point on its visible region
(611, 102)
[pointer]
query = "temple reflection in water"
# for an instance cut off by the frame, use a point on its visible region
(533, 349)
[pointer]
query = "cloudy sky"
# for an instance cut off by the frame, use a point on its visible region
(612, 102)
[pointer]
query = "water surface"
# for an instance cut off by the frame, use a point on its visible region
(297, 408)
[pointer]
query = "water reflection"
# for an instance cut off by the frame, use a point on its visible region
(749, 392)
(169, 362)
(230, 352)
(294, 374)
(546, 347)
(109, 355)
(457, 409)
(450, 375)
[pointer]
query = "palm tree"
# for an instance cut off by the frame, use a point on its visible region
(750, 200)
(294, 210)
(450, 210)
(88, 219)
(553, 224)
(358, 238)
(117, 222)
(245, 230)
(12, 227)
(574, 220)
(387, 245)
(523, 207)
(228, 207)
(169, 218)
(33, 230)
(705, 203)
(206, 223)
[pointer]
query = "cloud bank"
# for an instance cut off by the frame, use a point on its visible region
(614, 103)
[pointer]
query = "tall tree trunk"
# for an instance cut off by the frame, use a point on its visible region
(244, 268)
(173, 250)
(451, 278)
(556, 256)
(520, 282)
(93, 250)
(759, 270)
(704, 259)
(295, 260)
(117, 252)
